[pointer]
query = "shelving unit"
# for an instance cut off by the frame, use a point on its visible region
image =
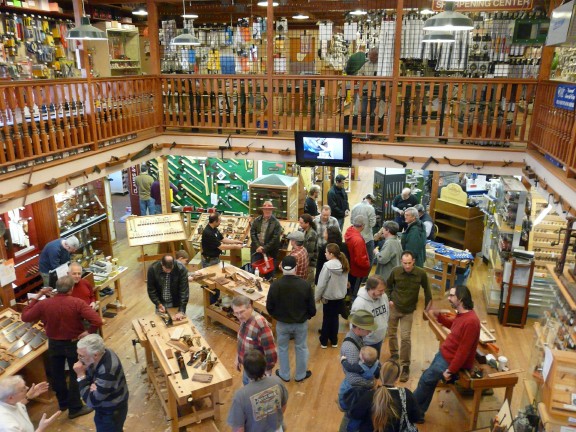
(281, 190)
(458, 226)
(119, 55)
(516, 285)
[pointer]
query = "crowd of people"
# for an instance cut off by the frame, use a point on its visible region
(325, 267)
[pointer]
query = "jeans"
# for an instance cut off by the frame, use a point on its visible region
(341, 222)
(60, 352)
(428, 381)
(398, 318)
(354, 284)
(370, 250)
(157, 208)
(111, 419)
(147, 205)
(300, 333)
(329, 331)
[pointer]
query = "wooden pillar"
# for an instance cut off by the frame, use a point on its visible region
(153, 32)
(395, 70)
(434, 192)
(269, 64)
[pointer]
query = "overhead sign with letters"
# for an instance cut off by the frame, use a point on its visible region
(565, 97)
(485, 5)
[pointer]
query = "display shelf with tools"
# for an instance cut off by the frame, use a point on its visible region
(185, 371)
(230, 281)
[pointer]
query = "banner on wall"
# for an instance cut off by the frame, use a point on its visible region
(485, 5)
(565, 97)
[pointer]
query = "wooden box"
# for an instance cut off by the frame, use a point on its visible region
(560, 386)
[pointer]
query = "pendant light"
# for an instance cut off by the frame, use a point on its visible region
(265, 4)
(439, 37)
(449, 20)
(140, 11)
(300, 16)
(86, 31)
(186, 39)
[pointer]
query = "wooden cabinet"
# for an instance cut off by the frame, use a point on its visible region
(119, 55)
(281, 190)
(459, 226)
(516, 284)
(559, 395)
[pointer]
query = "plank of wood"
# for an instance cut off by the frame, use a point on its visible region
(504, 373)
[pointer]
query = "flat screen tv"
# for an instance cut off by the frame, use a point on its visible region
(323, 149)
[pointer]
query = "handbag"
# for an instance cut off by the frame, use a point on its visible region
(405, 424)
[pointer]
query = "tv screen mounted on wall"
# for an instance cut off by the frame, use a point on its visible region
(323, 149)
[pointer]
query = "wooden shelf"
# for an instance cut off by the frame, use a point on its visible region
(39, 12)
(458, 226)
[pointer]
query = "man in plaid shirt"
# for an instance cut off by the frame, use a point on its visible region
(255, 333)
(299, 252)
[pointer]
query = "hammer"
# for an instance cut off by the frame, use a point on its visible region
(235, 176)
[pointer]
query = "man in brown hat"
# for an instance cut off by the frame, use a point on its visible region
(265, 234)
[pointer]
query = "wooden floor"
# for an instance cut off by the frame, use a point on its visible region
(312, 402)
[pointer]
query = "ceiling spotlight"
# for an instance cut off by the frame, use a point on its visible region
(449, 20)
(265, 3)
(358, 12)
(300, 16)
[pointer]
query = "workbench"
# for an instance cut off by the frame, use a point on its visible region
(217, 273)
(27, 360)
(476, 385)
(184, 401)
(445, 278)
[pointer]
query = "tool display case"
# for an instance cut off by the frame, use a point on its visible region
(210, 182)
(282, 191)
(119, 55)
(234, 227)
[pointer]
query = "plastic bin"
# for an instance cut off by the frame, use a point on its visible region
(264, 265)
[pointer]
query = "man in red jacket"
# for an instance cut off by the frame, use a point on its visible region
(359, 262)
(456, 352)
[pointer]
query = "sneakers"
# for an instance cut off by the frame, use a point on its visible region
(82, 411)
(405, 375)
(323, 346)
(308, 375)
(335, 345)
(278, 375)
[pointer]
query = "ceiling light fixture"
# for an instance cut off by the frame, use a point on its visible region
(86, 31)
(300, 16)
(265, 3)
(140, 11)
(186, 39)
(439, 37)
(358, 12)
(449, 20)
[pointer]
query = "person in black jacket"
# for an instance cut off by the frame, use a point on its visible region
(265, 234)
(310, 205)
(338, 200)
(291, 303)
(385, 408)
(167, 285)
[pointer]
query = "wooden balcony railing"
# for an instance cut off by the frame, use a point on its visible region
(494, 112)
(554, 129)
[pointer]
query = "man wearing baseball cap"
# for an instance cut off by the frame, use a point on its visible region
(54, 254)
(338, 200)
(265, 234)
(361, 325)
(299, 252)
(290, 302)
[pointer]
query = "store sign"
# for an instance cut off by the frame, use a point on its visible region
(565, 97)
(485, 5)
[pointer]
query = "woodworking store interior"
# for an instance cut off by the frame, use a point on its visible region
(231, 105)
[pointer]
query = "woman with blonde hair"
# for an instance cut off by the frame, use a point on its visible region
(386, 408)
(331, 290)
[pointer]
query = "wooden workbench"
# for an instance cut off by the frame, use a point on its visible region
(215, 313)
(477, 385)
(446, 277)
(184, 401)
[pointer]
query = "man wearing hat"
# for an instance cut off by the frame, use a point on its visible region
(361, 325)
(54, 254)
(338, 200)
(290, 302)
(265, 234)
(366, 209)
(359, 262)
(299, 252)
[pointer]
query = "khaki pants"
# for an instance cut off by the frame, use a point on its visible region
(404, 321)
(311, 275)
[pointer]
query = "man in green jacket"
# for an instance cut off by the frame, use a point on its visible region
(403, 287)
(414, 238)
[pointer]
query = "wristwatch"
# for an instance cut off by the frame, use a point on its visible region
(81, 378)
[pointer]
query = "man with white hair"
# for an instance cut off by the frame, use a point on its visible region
(400, 203)
(290, 302)
(102, 383)
(366, 209)
(82, 288)
(414, 238)
(14, 395)
(53, 255)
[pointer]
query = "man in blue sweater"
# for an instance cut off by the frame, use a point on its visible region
(54, 254)
(102, 383)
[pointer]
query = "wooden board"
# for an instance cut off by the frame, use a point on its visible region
(255, 296)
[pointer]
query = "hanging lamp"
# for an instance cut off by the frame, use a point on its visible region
(449, 20)
(86, 31)
(140, 11)
(439, 37)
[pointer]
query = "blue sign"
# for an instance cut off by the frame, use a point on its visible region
(565, 97)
